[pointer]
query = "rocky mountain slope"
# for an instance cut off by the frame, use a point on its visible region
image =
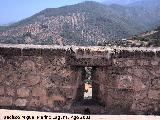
(120, 2)
(148, 38)
(87, 23)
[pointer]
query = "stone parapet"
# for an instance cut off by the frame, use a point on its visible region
(51, 78)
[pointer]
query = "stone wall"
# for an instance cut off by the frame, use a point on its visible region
(33, 80)
(50, 78)
(131, 85)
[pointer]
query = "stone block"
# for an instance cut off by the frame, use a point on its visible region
(139, 85)
(46, 109)
(31, 52)
(28, 65)
(121, 95)
(33, 79)
(118, 62)
(34, 103)
(11, 79)
(68, 92)
(1, 90)
(140, 95)
(23, 92)
(143, 62)
(140, 106)
(155, 71)
(59, 78)
(39, 62)
(2, 77)
(21, 102)
(47, 82)
(59, 61)
(47, 101)
(155, 83)
(129, 62)
(2, 60)
(124, 82)
(155, 62)
(6, 101)
(10, 51)
(10, 91)
(53, 52)
(154, 94)
(58, 98)
(44, 100)
(38, 91)
(140, 72)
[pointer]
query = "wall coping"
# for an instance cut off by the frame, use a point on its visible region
(92, 48)
(79, 51)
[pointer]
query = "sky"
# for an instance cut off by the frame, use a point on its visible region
(14, 10)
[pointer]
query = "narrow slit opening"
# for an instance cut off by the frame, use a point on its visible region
(88, 83)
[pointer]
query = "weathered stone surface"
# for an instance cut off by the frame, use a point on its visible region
(138, 85)
(23, 92)
(121, 95)
(10, 91)
(155, 61)
(54, 91)
(52, 83)
(129, 62)
(6, 101)
(47, 82)
(139, 72)
(2, 60)
(140, 95)
(58, 79)
(58, 61)
(21, 78)
(21, 102)
(2, 76)
(155, 71)
(38, 91)
(155, 83)
(58, 98)
(11, 79)
(1, 90)
(34, 103)
(28, 65)
(33, 79)
(140, 106)
(8, 67)
(39, 62)
(46, 101)
(154, 94)
(143, 62)
(46, 109)
(124, 82)
(68, 92)
(118, 62)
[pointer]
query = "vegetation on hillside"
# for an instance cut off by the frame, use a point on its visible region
(87, 23)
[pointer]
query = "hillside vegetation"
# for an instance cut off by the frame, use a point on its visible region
(149, 38)
(87, 23)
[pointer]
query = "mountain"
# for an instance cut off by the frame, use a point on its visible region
(119, 2)
(148, 38)
(155, 35)
(2, 28)
(145, 3)
(87, 23)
